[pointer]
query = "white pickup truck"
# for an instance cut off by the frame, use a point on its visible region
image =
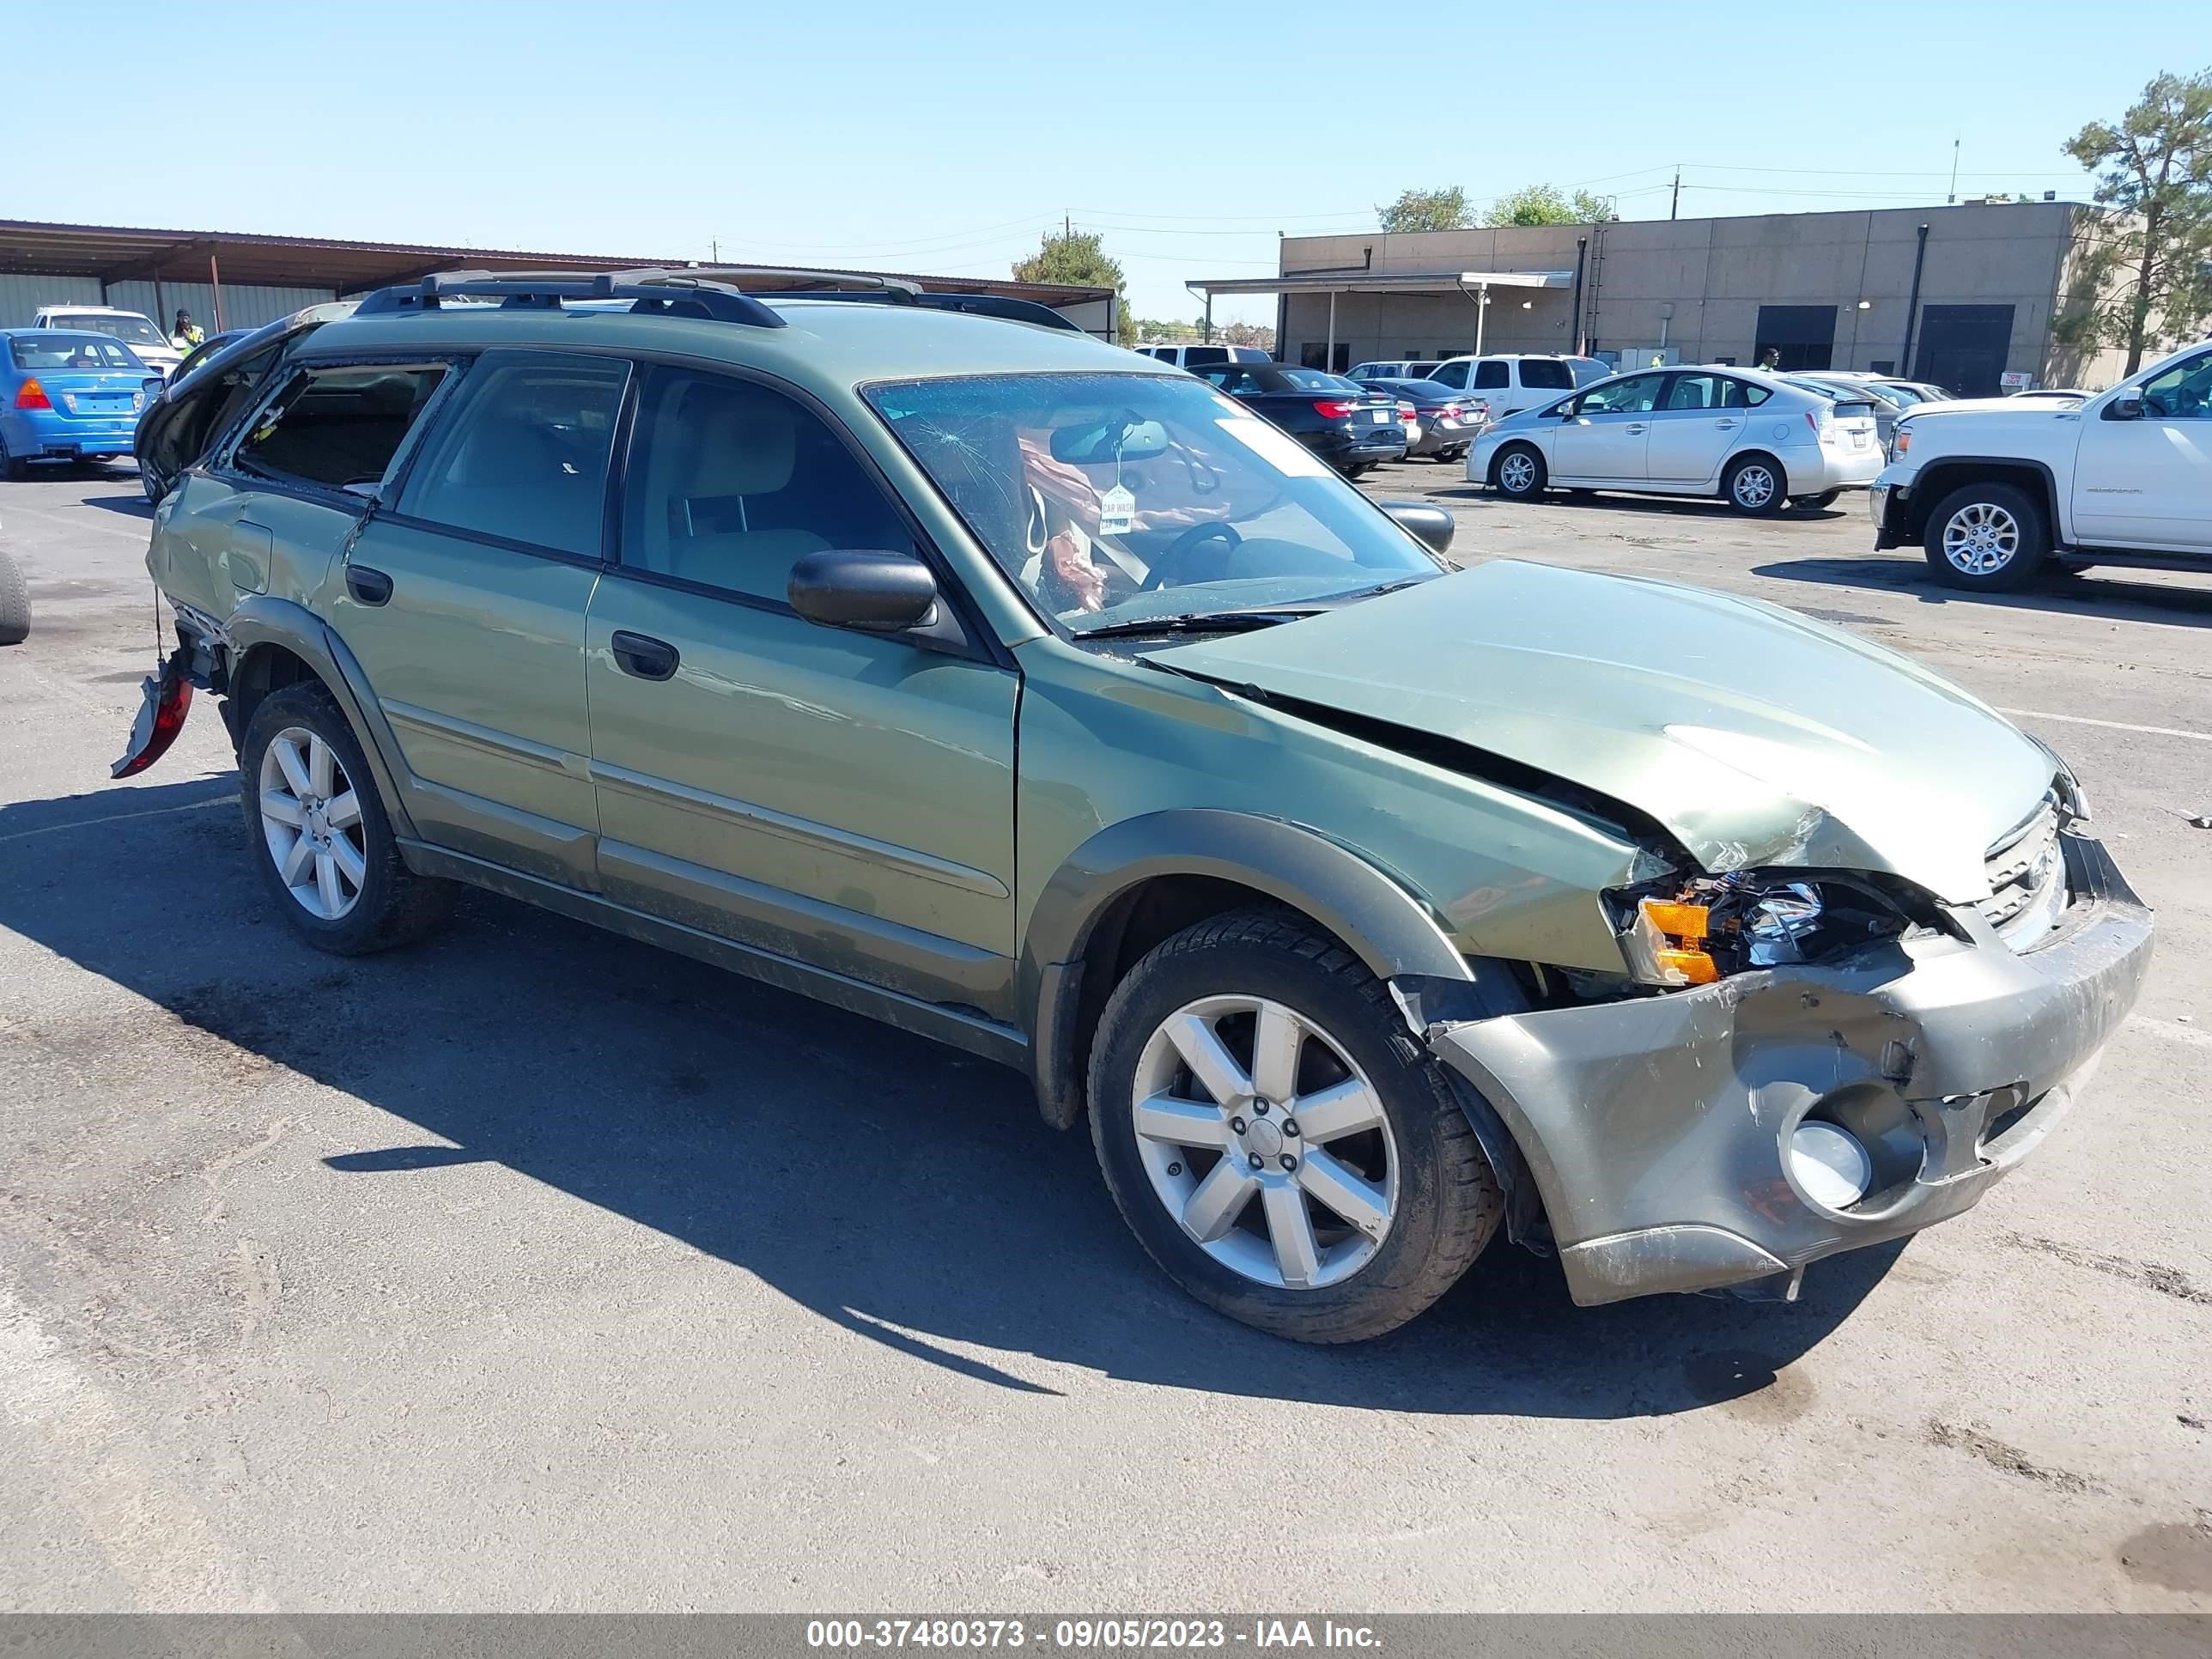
(1992, 494)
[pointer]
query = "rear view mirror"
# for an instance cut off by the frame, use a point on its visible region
(875, 593)
(1432, 526)
(1096, 443)
(2128, 406)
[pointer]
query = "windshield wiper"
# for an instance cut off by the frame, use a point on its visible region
(1198, 622)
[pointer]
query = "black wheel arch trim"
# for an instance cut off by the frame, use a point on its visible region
(262, 620)
(1377, 917)
(1921, 497)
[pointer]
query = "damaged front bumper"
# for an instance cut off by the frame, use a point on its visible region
(1657, 1129)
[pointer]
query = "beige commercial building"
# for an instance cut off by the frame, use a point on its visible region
(1961, 296)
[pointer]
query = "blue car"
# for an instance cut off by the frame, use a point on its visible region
(67, 396)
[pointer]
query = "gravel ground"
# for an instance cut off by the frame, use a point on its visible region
(533, 1268)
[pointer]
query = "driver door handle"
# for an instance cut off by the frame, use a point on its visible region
(1634, 426)
(643, 656)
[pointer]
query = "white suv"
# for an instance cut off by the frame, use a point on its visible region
(1199, 357)
(1509, 381)
(1991, 492)
(134, 328)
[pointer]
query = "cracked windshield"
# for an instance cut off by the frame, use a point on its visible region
(1118, 500)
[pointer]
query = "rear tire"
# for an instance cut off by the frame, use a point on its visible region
(1277, 1244)
(1518, 473)
(1754, 486)
(14, 602)
(1991, 536)
(369, 900)
(14, 467)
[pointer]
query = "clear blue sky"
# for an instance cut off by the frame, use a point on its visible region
(945, 138)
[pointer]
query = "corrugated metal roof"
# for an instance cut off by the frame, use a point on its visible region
(121, 253)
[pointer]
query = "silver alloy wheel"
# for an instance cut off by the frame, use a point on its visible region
(1754, 486)
(311, 820)
(1283, 1170)
(1517, 473)
(1981, 538)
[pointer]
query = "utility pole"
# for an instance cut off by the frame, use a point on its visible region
(1067, 226)
(1954, 195)
(1675, 206)
(714, 252)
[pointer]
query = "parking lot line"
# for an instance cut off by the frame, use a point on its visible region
(2109, 725)
(117, 818)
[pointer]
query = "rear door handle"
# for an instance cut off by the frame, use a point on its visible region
(642, 656)
(369, 586)
(1724, 425)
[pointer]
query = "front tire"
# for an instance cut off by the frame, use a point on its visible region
(1274, 1141)
(1814, 503)
(1518, 473)
(1754, 486)
(1991, 536)
(319, 835)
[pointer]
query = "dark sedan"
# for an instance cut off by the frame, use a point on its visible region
(1348, 425)
(1448, 420)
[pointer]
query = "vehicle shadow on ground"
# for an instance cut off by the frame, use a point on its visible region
(131, 506)
(2095, 592)
(898, 1188)
(1699, 507)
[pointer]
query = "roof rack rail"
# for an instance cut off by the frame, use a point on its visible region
(1003, 307)
(680, 293)
(719, 292)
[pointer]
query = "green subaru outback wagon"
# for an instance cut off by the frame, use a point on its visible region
(967, 672)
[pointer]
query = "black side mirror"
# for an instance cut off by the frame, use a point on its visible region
(2128, 406)
(876, 592)
(1432, 526)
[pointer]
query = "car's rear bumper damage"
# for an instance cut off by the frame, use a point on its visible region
(1658, 1130)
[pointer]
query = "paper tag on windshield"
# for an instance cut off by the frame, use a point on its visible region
(1117, 511)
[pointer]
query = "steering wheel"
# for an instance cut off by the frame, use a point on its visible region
(1182, 546)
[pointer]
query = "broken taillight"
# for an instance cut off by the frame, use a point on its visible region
(167, 700)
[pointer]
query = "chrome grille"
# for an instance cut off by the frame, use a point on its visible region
(2027, 879)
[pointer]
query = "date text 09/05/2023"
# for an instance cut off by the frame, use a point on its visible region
(1107, 1635)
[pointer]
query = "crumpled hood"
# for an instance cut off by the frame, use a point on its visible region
(1756, 736)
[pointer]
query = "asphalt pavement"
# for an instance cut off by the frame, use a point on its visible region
(533, 1268)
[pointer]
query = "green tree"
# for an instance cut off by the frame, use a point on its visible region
(1079, 258)
(1547, 204)
(1442, 209)
(2154, 181)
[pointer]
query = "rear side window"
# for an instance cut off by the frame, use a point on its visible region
(524, 454)
(1547, 374)
(730, 484)
(54, 352)
(337, 426)
(1490, 377)
(1205, 354)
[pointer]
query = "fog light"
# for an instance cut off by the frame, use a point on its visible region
(1830, 1164)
